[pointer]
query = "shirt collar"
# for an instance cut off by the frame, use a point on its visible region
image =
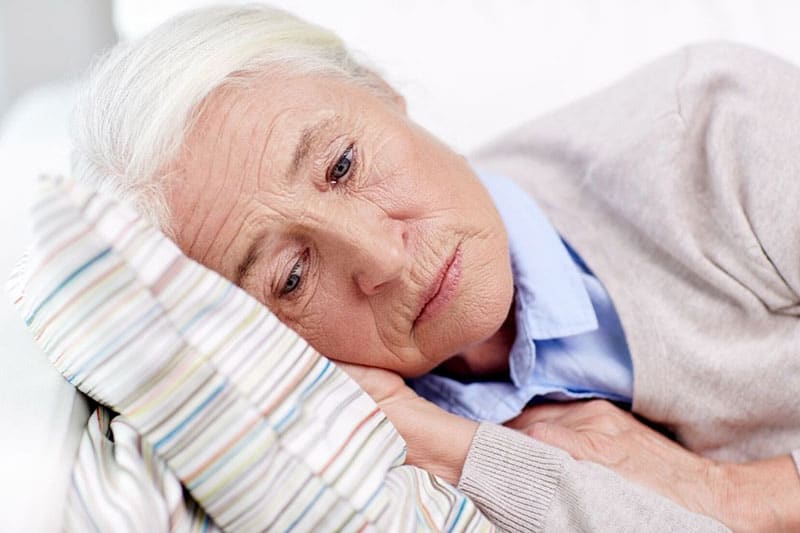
(550, 298)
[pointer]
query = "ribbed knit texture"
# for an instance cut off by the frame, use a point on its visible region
(512, 481)
(524, 485)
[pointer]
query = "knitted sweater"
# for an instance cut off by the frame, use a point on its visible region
(679, 186)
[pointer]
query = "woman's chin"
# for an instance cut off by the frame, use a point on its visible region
(467, 335)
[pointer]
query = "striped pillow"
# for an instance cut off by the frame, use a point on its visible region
(264, 432)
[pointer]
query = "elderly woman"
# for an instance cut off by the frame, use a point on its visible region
(661, 271)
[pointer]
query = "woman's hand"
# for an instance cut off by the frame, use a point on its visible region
(436, 440)
(598, 431)
(759, 496)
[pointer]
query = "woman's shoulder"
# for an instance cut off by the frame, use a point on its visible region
(720, 73)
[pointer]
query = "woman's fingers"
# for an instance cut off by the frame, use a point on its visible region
(546, 412)
(559, 436)
(382, 385)
(597, 415)
(600, 432)
(435, 439)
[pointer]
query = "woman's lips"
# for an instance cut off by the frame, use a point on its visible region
(443, 289)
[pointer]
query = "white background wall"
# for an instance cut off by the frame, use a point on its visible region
(46, 40)
(471, 68)
(465, 66)
(3, 75)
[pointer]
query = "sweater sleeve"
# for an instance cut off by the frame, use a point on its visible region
(525, 485)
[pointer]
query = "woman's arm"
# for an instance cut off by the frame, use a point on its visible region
(515, 482)
(755, 496)
(761, 495)
(521, 484)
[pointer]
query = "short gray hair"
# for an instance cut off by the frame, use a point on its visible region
(141, 98)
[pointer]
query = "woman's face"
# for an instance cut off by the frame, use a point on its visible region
(360, 230)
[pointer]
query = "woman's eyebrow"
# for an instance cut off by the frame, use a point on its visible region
(250, 258)
(244, 267)
(307, 139)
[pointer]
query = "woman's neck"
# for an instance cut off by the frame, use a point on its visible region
(488, 358)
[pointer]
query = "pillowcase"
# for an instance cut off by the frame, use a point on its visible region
(262, 430)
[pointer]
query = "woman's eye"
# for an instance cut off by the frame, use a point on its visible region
(295, 277)
(340, 170)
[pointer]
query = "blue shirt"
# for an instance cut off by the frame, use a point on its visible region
(569, 342)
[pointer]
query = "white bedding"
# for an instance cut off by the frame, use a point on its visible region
(41, 414)
(468, 69)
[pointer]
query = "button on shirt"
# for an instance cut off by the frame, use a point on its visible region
(569, 342)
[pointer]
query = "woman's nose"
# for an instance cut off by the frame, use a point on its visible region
(379, 255)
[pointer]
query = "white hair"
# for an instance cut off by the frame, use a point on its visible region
(141, 98)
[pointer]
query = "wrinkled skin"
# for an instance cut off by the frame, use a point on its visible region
(345, 245)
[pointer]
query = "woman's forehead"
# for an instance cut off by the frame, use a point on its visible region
(279, 121)
(288, 99)
(249, 142)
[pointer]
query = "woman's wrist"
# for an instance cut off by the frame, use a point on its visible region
(759, 496)
(438, 441)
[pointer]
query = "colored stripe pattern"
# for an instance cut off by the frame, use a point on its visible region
(213, 392)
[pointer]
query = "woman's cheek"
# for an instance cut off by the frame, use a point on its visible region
(327, 325)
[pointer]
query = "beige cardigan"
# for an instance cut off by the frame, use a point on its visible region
(680, 187)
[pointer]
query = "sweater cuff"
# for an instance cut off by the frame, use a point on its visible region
(511, 477)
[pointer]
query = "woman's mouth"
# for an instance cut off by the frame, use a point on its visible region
(443, 288)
